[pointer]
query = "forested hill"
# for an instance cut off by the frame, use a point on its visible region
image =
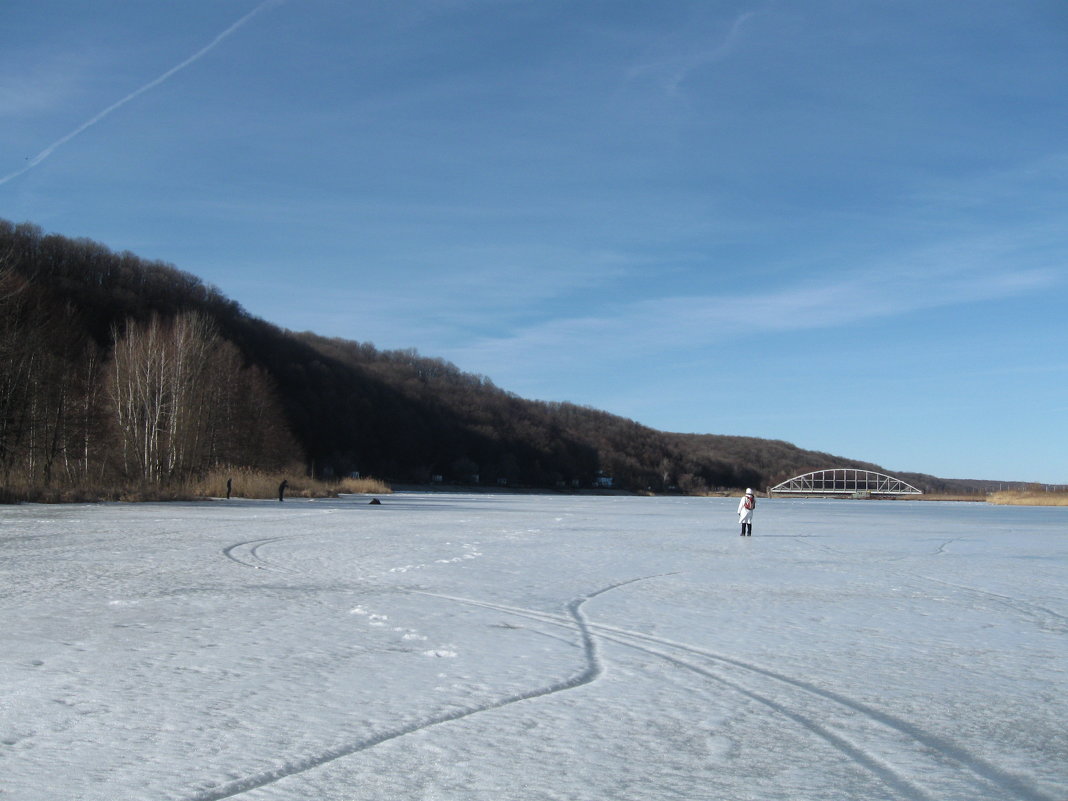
(87, 333)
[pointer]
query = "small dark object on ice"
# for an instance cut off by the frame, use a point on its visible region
(375, 502)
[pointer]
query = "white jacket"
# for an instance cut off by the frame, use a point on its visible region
(745, 515)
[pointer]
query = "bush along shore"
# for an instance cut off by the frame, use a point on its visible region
(1029, 498)
(221, 482)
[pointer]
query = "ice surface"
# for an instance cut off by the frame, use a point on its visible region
(533, 647)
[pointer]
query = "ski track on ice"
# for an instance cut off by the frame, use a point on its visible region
(944, 547)
(246, 553)
(251, 549)
(590, 672)
(925, 744)
(1040, 616)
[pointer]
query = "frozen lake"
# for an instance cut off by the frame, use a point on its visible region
(490, 647)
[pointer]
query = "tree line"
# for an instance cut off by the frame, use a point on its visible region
(116, 370)
(111, 376)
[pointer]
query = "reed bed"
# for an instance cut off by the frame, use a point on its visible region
(249, 483)
(244, 483)
(1028, 498)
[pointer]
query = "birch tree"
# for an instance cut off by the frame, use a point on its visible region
(159, 393)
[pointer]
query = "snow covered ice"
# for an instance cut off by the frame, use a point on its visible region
(495, 647)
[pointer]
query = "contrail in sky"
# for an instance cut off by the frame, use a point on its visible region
(137, 92)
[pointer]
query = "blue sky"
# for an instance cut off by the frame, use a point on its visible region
(841, 224)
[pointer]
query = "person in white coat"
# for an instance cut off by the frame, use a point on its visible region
(745, 512)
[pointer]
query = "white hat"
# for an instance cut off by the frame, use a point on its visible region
(748, 492)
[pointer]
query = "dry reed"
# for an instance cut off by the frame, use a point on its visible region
(245, 483)
(1028, 498)
(250, 483)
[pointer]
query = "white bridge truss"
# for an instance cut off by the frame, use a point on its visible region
(845, 481)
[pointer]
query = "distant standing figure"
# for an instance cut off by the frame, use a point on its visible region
(745, 512)
(282, 489)
(229, 487)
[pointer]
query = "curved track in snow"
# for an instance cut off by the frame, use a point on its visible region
(1035, 614)
(588, 673)
(911, 762)
(247, 554)
(879, 731)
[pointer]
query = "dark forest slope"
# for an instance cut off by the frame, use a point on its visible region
(347, 405)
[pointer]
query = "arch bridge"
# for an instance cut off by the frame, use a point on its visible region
(845, 481)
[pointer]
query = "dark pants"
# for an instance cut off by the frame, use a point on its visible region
(747, 529)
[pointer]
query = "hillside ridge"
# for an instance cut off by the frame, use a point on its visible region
(337, 406)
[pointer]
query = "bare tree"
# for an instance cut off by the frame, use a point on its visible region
(193, 343)
(18, 353)
(159, 394)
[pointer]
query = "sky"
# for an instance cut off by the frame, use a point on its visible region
(834, 223)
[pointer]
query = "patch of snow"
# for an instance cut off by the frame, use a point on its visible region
(588, 648)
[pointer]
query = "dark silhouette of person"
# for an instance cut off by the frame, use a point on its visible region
(229, 487)
(282, 489)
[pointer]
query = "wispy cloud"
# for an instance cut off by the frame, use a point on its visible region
(48, 151)
(28, 89)
(670, 69)
(929, 280)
